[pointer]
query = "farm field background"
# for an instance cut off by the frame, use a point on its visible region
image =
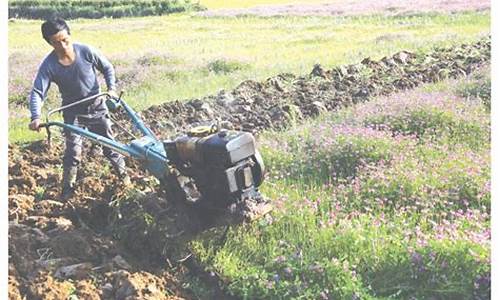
(389, 198)
(176, 57)
(344, 8)
(217, 4)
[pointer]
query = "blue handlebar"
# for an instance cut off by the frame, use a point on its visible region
(147, 148)
(136, 120)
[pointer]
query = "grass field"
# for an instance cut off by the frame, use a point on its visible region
(364, 211)
(217, 4)
(160, 59)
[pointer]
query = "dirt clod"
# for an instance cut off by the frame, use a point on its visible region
(141, 285)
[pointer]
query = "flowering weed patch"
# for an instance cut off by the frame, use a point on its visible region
(426, 181)
(436, 116)
(373, 202)
(328, 153)
(478, 85)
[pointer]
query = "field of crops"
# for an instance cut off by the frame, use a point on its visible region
(375, 129)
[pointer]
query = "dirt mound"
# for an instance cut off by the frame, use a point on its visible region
(116, 242)
(61, 249)
(140, 285)
(274, 103)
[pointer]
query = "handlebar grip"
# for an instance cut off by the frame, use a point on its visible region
(113, 103)
(49, 134)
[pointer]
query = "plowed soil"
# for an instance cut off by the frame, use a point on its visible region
(117, 242)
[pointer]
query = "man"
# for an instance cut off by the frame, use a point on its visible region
(73, 67)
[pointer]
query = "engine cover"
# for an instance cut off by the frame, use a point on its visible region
(225, 166)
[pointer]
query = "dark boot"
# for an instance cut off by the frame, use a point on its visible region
(69, 180)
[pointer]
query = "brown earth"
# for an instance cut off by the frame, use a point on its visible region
(117, 242)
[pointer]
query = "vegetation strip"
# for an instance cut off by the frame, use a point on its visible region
(94, 9)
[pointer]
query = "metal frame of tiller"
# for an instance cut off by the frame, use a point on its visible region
(147, 149)
(212, 168)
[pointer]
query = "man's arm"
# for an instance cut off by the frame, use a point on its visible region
(106, 68)
(38, 94)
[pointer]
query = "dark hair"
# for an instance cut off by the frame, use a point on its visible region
(53, 26)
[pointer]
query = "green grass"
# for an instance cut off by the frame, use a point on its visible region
(217, 4)
(478, 86)
(184, 48)
(413, 221)
(338, 151)
(69, 9)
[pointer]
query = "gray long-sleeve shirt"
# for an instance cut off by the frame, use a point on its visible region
(76, 81)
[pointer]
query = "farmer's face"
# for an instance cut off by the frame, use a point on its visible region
(61, 41)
